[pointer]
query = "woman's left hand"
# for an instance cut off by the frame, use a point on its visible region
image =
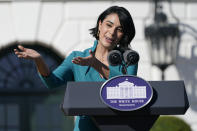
(85, 61)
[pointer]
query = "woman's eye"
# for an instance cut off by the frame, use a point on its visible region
(109, 25)
(120, 29)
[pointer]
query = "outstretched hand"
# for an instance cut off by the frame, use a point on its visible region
(26, 53)
(85, 61)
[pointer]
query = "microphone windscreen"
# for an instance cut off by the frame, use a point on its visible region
(131, 57)
(114, 57)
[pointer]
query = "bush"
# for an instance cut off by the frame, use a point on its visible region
(170, 123)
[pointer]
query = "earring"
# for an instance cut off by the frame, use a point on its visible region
(98, 33)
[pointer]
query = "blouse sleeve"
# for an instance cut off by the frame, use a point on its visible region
(60, 75)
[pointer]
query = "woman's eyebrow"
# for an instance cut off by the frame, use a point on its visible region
(112, 23)
(109, 22)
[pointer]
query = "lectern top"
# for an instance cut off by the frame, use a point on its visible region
(83, 98)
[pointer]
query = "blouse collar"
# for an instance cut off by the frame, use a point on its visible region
(94, 46)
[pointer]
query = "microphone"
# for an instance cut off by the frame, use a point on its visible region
(131, 57)
(125, 58)
(114, 57)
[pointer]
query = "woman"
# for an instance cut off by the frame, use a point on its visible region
(114, 28)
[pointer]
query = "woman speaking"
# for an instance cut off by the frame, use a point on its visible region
(114, 29)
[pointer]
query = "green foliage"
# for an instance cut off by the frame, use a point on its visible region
(170, 123)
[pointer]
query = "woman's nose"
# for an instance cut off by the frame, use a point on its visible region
(112, 31)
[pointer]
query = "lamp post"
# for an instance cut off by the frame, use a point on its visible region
(163, 39)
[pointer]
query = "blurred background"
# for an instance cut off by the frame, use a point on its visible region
(166, 39)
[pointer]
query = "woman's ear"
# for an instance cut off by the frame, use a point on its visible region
(100, 23)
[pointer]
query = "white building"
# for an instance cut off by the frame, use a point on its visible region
(63, 25)
(126, 90)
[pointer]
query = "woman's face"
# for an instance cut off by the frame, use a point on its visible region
(111, 31)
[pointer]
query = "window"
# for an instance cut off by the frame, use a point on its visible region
(25, 104)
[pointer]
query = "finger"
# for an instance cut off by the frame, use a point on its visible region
(91, 52)
(75, 61)
(15, 51)
(20, 56)
(18, 53)
(80, 58)
(21, 47)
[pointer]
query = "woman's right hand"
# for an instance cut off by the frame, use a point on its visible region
(33, 55)
(26, 53)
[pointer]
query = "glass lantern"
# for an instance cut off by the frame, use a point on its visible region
(163, 39)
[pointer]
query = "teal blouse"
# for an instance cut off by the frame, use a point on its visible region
(69, 71)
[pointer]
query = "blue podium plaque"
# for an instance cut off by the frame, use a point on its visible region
(126, 93)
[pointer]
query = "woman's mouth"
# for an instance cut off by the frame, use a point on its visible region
(109, 40)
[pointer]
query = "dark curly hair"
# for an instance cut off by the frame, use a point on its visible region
(126, 22)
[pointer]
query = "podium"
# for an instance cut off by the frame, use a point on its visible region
(83, 98)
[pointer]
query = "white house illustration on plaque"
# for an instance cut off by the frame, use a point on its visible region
(126, 90)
